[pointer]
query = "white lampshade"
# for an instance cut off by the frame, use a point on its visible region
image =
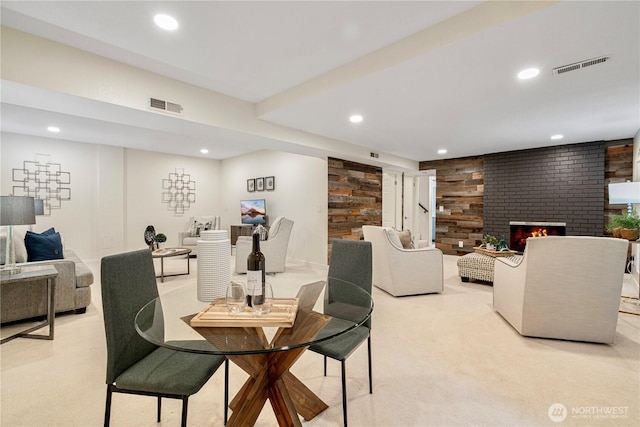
(624, 192)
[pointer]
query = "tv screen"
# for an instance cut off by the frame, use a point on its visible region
(253, 211)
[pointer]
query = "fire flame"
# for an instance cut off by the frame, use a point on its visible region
(541, 232)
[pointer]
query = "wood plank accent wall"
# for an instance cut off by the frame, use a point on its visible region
(460, 190)
(355, 199)
(618, 168)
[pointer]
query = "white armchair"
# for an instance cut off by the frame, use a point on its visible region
(274, 248)
(401, 271)
(565, 288)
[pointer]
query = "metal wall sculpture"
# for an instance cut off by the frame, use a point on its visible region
(179, 191)
(43, 180)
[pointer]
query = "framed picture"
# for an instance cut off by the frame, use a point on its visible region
(270, 183)
(251, 185)
(260, 184)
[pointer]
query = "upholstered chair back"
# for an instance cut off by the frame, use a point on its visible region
(128, 282)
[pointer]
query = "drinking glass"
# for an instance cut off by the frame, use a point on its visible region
(261, 302)
(236, 298)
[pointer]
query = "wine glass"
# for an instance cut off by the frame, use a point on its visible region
(236, 298)
(261, 299)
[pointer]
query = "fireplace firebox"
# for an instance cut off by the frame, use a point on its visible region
(520, 231)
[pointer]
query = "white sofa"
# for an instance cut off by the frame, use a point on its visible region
(189, 239)
(274, 248)
(565, 288)
(400, 271)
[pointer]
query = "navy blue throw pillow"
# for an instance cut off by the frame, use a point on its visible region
(44, 246)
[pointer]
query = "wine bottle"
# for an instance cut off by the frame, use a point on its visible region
(255, 272)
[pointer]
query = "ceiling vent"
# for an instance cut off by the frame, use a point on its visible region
(580, 65)
(166, 106)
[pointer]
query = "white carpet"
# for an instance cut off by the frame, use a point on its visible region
(438, 360)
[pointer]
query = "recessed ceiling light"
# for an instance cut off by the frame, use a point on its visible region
(53, 129)
(165, 22)
(356, 118)
(558, 136)
(528, 73)
(204, 151)
(442, 151)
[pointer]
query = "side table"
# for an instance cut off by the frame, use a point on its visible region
(46, 273)
(168, 253)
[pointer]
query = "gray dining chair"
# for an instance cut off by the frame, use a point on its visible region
(134, 365)
(351, 261)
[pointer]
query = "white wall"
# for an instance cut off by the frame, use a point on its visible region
(117, 192)
(300, 194)
(95, 208)
(144, 172)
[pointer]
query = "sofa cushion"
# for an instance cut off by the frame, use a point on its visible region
(19, 247)
(262, 231)
(393, 238)
(44, 246)
(84, 275)
(405, 238)
(201, 223)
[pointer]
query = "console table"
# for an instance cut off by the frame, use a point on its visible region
(240, 230)
(30, 274)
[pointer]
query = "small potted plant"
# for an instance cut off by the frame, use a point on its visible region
(625, 226)
(489, 242)
(160, 238)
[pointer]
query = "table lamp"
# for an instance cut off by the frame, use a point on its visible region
(625, 192)
(15, 210)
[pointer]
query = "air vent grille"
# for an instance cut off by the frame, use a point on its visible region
(580, 65)
(159, 104)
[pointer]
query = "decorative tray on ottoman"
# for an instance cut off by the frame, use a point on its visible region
(494, 253)
(283, 315)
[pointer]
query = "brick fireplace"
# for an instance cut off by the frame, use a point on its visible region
(519, 231)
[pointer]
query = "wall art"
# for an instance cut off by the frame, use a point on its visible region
(43, 179)
(260, 184)
(270, 183)
(178, 192)
(251, 185)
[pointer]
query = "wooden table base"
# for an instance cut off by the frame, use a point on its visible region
(269, 375)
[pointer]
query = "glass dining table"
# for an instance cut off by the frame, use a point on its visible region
(266, 353)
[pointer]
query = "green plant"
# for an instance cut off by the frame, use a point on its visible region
(629, 221)
(488, 239)
(161, 238)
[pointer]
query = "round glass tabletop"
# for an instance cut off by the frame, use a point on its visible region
(166, 321)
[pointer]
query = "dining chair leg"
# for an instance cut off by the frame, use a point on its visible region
(185, 402)
(107, 409)
(226, 389)
(159, 407)
(325, 366)
(369, 349)
(344, 391)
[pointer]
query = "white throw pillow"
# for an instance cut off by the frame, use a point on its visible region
(201, 223)
(275, 227)
(393, 238)
(19, 247)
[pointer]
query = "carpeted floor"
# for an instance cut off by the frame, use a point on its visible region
(438, 360)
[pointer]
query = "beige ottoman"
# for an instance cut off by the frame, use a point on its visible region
(479, 266)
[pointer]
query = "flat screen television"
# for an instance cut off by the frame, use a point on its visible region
(253, 211)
